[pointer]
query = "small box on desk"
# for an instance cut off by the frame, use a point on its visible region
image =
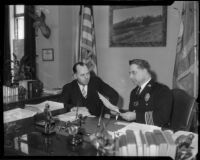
(34, 88)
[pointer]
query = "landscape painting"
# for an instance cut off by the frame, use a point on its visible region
(138, 26)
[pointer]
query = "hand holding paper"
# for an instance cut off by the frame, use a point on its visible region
(107, 103)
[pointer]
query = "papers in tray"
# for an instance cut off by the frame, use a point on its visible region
(71, 116)
(39, 108)
(17, 114)
(53, 91)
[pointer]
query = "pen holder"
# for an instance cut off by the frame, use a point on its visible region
(76, 137)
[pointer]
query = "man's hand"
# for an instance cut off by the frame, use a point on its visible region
(129, 116)
(108, 104)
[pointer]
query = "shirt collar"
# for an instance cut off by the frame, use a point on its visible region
(144, 84)
(81, 86)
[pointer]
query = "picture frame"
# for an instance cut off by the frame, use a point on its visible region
(48, 54)
(137, 26)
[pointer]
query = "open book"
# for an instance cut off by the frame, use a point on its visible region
(39, 108)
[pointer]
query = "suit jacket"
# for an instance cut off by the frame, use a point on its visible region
(72, 96)
(153, 105)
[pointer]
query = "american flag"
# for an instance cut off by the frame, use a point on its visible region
(186, 63)
(86, 51)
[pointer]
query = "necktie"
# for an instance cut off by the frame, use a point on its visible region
(138, 90)
(84, 93)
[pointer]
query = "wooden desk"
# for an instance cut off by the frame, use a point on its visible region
(34, 143)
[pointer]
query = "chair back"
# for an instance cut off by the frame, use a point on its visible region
(184, 112)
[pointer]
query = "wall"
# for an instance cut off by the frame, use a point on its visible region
(115, 60)
(56, 73)
(112, 60)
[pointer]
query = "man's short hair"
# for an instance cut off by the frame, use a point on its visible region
(76, 64)
(143, 64)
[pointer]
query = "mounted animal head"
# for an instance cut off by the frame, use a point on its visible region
(40, 24)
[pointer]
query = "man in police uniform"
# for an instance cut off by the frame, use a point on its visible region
(150, 102)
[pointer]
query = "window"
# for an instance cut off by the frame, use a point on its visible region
(17, 36)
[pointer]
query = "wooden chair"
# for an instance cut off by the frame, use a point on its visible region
(184, 112)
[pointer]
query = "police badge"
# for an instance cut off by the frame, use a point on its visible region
(147, 96)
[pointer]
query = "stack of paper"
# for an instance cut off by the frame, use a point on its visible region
(17, 114)
(53, 91)
(39, 108)
(71, 116)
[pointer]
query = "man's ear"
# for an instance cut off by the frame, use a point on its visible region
(75, 76)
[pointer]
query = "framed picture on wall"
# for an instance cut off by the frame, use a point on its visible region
(48, 54)
(137, 26)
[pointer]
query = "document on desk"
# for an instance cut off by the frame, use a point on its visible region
(71, 116)
(39, 108)
(17, 114)
(139, 126)
(133, 126)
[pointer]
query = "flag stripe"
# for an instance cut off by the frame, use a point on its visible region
(87, 29)
(87, 17)
(87, 23)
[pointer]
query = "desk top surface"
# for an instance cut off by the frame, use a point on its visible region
(32, 142)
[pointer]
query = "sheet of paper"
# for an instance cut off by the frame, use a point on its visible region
(52, 91)
(17, 114)
(107, 103)
(139, 126)
(39, 108)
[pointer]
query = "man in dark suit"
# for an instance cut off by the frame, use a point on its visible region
(150, 102)
(83, 91)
